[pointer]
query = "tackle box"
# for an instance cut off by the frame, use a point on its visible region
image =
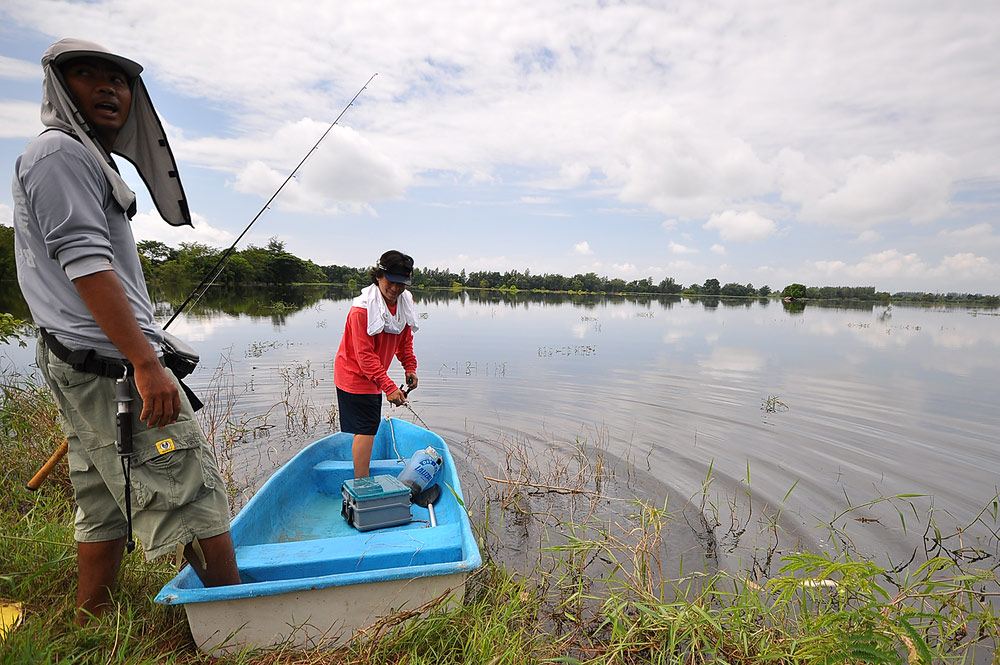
(375, 502)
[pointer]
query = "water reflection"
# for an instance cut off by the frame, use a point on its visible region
(878, 403)
(273, 303)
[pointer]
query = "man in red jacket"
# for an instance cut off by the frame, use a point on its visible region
(379, 326)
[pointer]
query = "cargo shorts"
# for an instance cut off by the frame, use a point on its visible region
(177, 491)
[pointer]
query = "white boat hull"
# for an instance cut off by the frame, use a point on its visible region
(324, 618)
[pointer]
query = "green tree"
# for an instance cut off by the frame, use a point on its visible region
(794, 291)
(555, 282)
(668, 285)
(8, 269)
(734, 289)
(711, 287)
(12, 329)
(157, 252)
(616, 286)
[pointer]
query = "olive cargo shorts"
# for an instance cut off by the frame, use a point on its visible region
(177, 491)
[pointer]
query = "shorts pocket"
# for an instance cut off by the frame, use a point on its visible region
(168, 470)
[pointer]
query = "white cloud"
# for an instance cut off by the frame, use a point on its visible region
(892, 270)
(19, 70)
(967, 268)
(745, 226)
(571, 175)
(890, 264)
(671, 165)
(583, 248)
(606, 113)
(6, 215)
(975, 232)
(977, 235)
(150, 226)
(909, 187)
(345, 169)
(678, 248)
(798, 180)
(625, 269)
(682, 266)
(830, 268)
(19, 119)
(717, 249)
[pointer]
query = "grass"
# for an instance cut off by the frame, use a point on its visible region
(592, 589)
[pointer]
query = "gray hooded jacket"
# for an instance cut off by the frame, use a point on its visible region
(71, 208)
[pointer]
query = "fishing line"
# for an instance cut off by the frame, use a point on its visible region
(216, 270)
(393, 432)
(422, 423)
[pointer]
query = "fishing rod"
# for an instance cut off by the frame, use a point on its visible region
(216, 270)
(210, 277)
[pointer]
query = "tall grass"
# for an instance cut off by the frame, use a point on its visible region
(595, 588)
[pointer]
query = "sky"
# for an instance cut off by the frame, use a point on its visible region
(849, 143)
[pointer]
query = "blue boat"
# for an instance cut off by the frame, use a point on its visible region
(313, 580)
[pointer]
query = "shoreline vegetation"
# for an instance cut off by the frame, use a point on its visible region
(596, 590)
(272, 264)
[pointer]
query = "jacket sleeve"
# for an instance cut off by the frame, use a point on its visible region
(404, 352)
(365, 354)
(66, 189)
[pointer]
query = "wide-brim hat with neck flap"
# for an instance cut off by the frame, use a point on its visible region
(142, 140)
(68, 49)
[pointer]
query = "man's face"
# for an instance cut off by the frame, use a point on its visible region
(390, 290)
(102, 93)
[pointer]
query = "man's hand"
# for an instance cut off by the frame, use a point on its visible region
(411, 381)
(397, 398)
(161, 401)
(104, 296)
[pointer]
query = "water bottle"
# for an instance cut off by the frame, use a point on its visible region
(421, 469)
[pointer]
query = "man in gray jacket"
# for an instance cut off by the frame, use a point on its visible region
(79, 271)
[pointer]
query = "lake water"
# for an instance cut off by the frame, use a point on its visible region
(739, 414)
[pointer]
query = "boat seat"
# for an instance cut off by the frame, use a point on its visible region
(363, 552)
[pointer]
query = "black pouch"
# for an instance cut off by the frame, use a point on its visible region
(181, 359)
(178, 355)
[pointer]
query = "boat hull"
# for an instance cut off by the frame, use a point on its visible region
(310, 579)
(318, 618)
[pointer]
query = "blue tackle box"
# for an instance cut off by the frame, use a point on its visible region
(375, 502)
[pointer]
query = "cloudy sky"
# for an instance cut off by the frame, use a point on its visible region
(769, 142)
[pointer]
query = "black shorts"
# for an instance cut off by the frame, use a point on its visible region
(359, 414)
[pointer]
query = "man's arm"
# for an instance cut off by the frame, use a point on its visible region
(104, 296)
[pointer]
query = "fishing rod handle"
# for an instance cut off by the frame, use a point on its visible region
(43, 473)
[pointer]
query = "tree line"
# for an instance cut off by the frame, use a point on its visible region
(273, 264)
